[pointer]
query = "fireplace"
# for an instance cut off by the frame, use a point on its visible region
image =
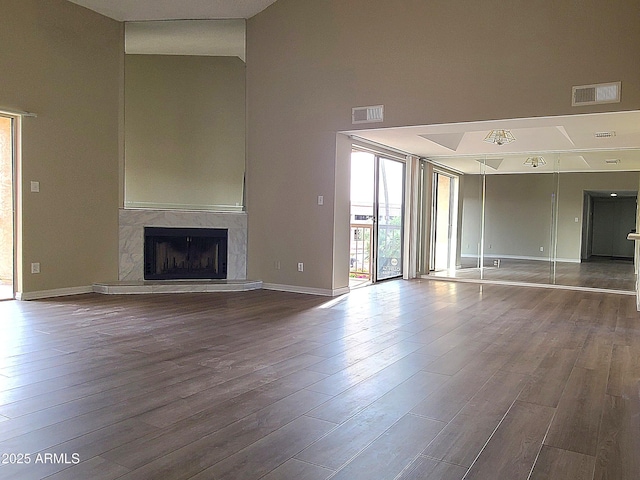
(185, 253)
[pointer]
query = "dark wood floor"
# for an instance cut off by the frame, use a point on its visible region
(401, 380)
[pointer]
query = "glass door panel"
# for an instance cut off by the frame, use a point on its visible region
(442, 250)
(390, 200)
(6, 209)
(361, 256)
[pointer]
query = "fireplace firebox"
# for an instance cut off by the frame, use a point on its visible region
(185, 253)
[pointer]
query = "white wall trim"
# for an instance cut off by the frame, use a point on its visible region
(340, 291)
(159, 286)
(522, 257)
(326, 292)
(188, 207)
(56, 292)
(526, 284)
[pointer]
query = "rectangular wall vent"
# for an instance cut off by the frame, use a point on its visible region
(595, 94)
(367, 114)
(604, 134)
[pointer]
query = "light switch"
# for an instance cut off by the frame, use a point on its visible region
(320, 199)
(35, 187)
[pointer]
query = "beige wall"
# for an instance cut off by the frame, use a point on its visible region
(184, 131)
(65, 63)
(309, 62)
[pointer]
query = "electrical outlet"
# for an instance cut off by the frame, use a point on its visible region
(301, 267)
(320, 200)
(276, 264)
(542, 249)
(35, 187)
(35, 267)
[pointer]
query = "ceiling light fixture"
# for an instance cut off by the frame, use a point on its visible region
(500, 137)
(614, 194)
(535, 162)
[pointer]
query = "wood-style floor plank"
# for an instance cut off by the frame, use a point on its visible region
(514, 446)
(293, 468)
(398, 381)
(550, 378)
(352, 436)
(445, 404)
(390, 453)
(269, 452)
(463, 438)
(424, 468)
(619, 442)
(554, 463)
(577, 420)
(348, 403)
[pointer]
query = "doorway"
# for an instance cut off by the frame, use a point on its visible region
(609, 219)
(7, 264)
(444, 230)
(377, 218)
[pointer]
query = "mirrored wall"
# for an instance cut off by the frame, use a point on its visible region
(544, 218)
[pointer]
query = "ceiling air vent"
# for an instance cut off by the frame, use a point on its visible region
(367, 114)
(595, 94)
(604, 134)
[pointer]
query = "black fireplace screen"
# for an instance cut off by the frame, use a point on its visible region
(185, 253)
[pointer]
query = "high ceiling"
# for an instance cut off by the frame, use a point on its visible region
(567, 143)
(139, 10)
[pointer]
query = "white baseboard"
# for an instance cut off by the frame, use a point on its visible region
(306, 290)
(56, 292)
(190, 286)
(526, 284)
(522, 257)
(340, 291)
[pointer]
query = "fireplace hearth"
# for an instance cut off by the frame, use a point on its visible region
(185, 253)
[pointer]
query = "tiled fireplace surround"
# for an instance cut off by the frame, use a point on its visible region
(133, 221)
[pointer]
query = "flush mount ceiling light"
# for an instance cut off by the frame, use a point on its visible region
(535, 162)
(614, 194)
(499, 137)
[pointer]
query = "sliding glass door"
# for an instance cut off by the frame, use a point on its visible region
(7, 266)
(377, 203)
(390, 202)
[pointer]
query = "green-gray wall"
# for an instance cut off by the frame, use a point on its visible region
(184, 132)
